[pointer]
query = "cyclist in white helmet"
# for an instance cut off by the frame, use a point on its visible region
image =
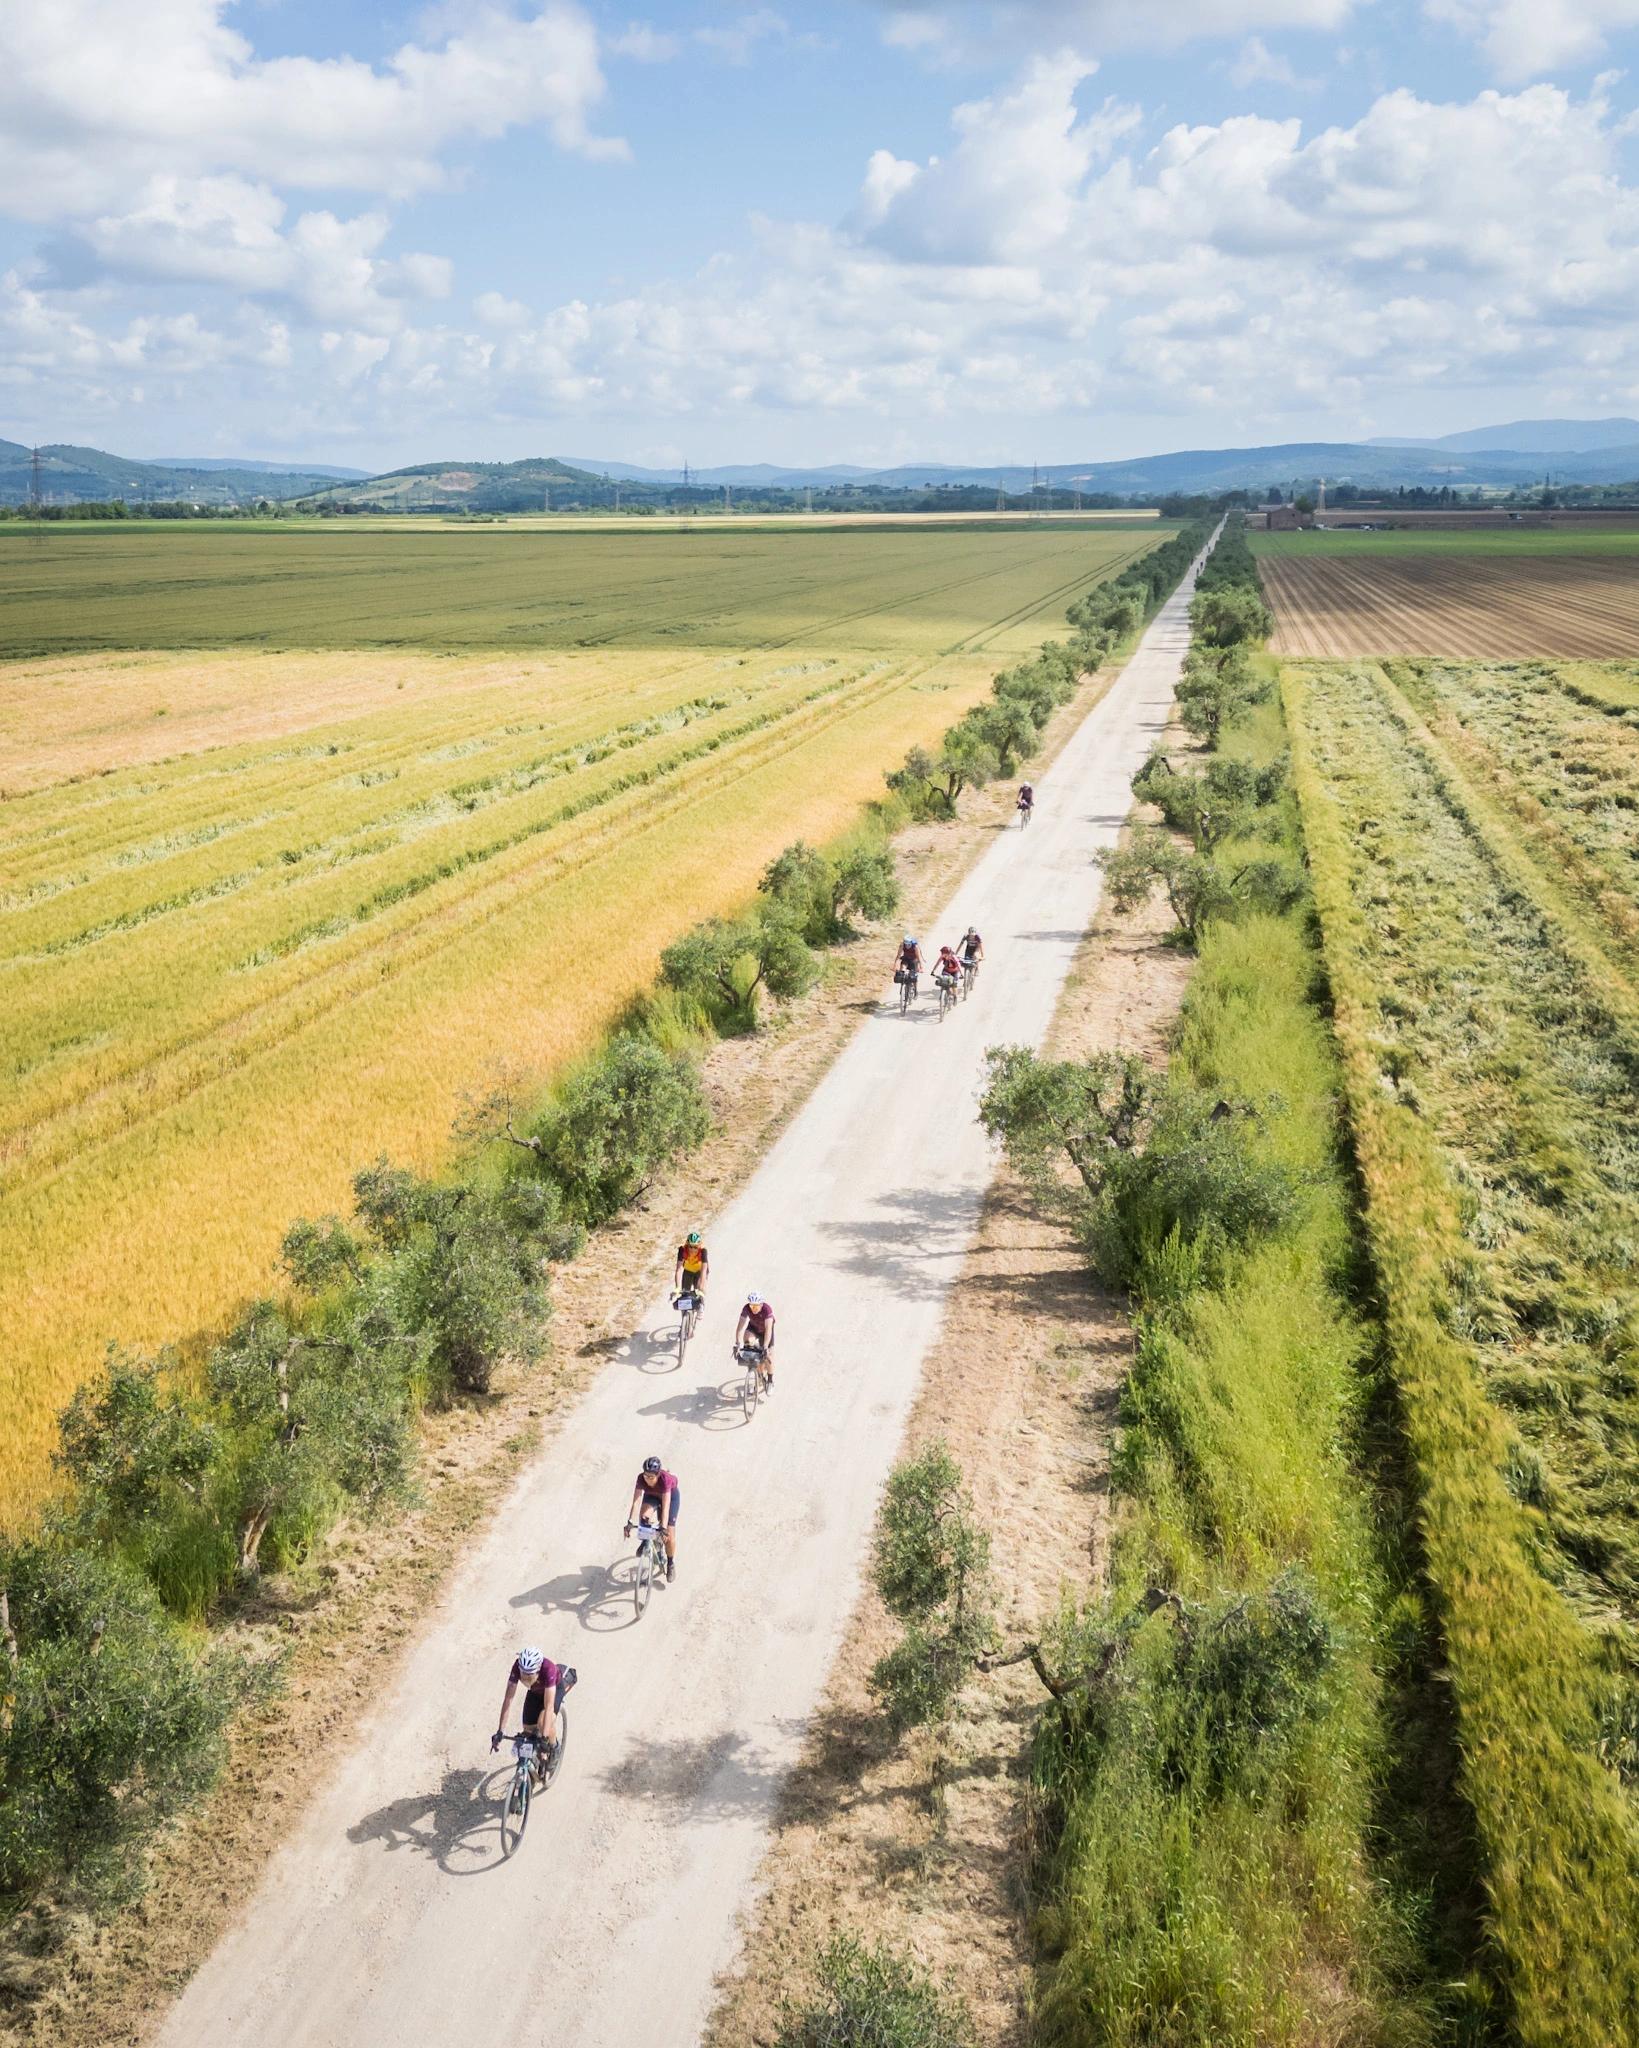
(756, 1326)
(544, 1684)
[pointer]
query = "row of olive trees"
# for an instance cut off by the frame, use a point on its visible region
(1225, 804)
(994, 739)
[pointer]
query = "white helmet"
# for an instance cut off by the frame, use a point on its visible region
(529, 1662)
(753, 1299)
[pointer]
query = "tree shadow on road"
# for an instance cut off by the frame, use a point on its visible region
(725, 1777)
(458, 1825)
(914, 1239)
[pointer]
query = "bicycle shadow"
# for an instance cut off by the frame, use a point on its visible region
(706, 1407)
(598, 1595)
(448, 1825)
(655, 1351)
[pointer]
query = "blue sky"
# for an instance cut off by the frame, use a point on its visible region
(965, 230)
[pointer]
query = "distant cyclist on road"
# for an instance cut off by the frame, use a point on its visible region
(908, 960)
(545, 1685)
(973, 951)
(756, 1326)
(948, 967)
(1027, 802)
(693, 1268)
(658, 1489)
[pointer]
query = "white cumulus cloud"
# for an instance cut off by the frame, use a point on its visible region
(1527, 38)
(97, 96)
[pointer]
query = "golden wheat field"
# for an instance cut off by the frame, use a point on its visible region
(264, 915)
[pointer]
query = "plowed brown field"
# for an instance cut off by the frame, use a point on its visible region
(1579, 606)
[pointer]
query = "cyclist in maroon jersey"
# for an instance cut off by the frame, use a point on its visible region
(658, 1489)
(545, 1685)
(756, 1326)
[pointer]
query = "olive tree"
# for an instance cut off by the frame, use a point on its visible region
(728, 963)
(111, 1718)
(930, 1565)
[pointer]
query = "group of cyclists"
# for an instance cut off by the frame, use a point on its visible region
(656, 1494)
(656, 1499)
(952, 964)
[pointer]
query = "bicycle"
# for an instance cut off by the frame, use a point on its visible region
(531, 1759)
(946, 985)
(907, 989)
(1024, 811)
(690, 1302)
(970, 974)
(651, 1554)
(751, 1388)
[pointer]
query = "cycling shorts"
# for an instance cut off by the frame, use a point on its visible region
(652, 1500)
(535, 1698)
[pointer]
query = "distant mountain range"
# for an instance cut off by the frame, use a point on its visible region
(1576, 451)
(84, 474)
(1538, 437)
(254, 468)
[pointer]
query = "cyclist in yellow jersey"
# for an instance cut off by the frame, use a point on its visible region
(693, 1268)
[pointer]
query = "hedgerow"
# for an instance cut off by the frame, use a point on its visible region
(1213, 1767)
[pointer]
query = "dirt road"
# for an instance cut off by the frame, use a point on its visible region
(390, 1915)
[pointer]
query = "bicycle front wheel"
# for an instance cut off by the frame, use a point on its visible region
(752, 1388)
(516, 1816)
(644, 1580)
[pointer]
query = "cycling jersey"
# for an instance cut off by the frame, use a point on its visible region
(948, 962)
(692, 1258)
(759, 1321)
(656, 1485)
(549, 1675)
(970, 947)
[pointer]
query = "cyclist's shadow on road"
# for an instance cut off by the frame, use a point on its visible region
(598, 1595)
(458, 1826)
(713, 1405)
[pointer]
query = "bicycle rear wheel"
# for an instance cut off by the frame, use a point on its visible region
(554, 1761)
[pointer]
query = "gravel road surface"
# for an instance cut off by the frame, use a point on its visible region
(390, 1915)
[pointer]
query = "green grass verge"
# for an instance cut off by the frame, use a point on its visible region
(1497, 542)
(1184, 1906)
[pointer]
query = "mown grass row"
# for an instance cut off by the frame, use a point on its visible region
(1489, 1097)
(1568, 771)
(187, 1476)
